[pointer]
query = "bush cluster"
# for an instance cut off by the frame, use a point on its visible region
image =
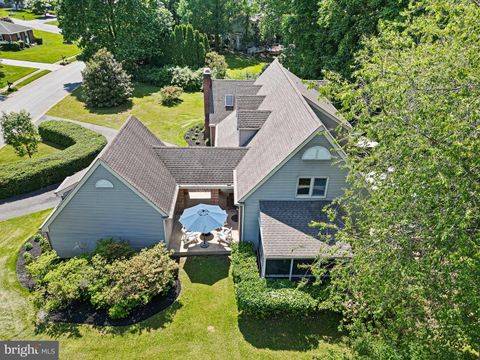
(117, 285)
(171, 95)
(12, 45)
(82, 146)
(184, 77)
(264, 298)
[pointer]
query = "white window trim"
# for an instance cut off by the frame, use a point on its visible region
(312, 180)
(290, 275)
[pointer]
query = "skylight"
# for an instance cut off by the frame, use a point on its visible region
(229, 100)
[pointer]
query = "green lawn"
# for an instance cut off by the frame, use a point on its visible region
(19, 14)
(168, 123)
(203, 324)
(8, 155)
(13, 73)
(32, 78)
(53, 22)
(240, 67)
(50, 51)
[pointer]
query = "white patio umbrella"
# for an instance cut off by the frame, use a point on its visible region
(203, 218)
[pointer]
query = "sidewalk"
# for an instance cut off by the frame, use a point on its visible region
(31, 64)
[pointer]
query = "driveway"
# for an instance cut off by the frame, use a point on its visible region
(40, 95)
(31, 64)
(39, 24)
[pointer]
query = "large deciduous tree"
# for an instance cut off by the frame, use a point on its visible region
(20, 132)
(105, 82)
(413, 210)
(131, 29)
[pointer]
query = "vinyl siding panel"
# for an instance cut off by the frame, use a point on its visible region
(283, 185)
(93, 214)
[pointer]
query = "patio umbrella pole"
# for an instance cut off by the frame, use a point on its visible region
(204, 244)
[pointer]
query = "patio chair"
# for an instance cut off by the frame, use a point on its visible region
(225, 235)
(190, 237)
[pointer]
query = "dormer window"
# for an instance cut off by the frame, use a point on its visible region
(103, 184)
(317, 153)
(229, 101)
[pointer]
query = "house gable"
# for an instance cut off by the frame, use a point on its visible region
(93, 212)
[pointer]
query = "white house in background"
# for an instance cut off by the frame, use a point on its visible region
(274, 165)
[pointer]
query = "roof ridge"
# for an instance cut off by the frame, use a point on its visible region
(200, 147)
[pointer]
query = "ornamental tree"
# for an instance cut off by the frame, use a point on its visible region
(105, 82)
(20, 132)
(412, 213)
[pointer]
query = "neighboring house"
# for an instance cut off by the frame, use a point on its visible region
(14, 32)
(274, 166)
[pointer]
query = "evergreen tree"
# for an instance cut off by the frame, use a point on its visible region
(105, 82)
(190, 51)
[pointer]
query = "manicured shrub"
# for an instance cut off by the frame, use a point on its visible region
(110, 249)
(65, 283)
(158, 76)
(37, 238)
(11, 45)
(186, 78)
(171, 95)
(264, 298)
(42, 266)
(105, 82)
(82, 146)
(28, 246)
(126, 284)
(217, 63)
(39, 41)
(27, 258)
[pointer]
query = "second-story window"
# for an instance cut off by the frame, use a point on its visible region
(312, 187)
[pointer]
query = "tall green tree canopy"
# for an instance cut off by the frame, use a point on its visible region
(413, 211)
(20, 132)
(323, 34)
(130, 29)
(208, 16)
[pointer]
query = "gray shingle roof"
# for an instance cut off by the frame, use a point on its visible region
(286, 232)
(291, 123)
(249, 102)
(251, 119)
(10, 28)
(226, 133)
(201, 165)
(220, 88)
(132, 155)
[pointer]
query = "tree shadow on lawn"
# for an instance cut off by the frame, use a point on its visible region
(140, 91)
(56, 330)
(291, 334)
(207, 269)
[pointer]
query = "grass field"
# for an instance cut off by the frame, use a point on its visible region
(50, 51)
(13, 73)
(19, 14)
(8, 155)
(240, 67)
(53, 22)
(168, 123)
(32, 78)
(203, 323)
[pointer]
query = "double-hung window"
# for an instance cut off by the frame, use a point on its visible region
(312, 187)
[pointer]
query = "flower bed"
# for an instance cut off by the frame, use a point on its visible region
(195, 136)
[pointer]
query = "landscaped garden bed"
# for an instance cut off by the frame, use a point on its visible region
(195, 136)
(98, 288)
(81, 147)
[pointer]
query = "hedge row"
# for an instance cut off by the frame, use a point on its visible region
(264, 298)
(82, 146)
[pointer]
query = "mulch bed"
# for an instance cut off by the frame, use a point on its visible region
(195, 136)
(85, 312)
(24, 279)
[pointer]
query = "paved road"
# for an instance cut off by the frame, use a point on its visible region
(28, 203)
(40, 95)
(31, 64)
(39, 24)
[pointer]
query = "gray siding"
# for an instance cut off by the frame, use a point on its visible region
(283, 185)
(93, 214)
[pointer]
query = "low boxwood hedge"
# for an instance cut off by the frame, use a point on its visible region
(81, 147)
(265, 298)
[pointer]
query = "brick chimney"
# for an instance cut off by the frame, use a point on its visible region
(207, 94)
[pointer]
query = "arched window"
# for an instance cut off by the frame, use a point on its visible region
(317, 153)
(103, 184)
